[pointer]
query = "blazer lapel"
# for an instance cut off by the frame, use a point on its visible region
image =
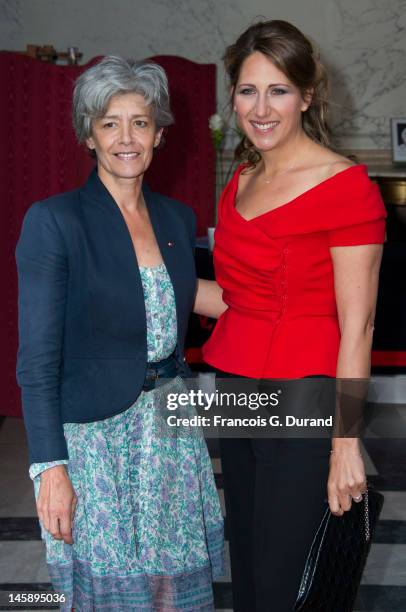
(114, 248)
(167, 236)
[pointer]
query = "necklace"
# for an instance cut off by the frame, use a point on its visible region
(294, 164)
(289, 167)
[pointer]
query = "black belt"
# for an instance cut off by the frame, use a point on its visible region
(166, 368)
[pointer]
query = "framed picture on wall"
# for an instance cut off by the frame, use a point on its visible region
(398, 125)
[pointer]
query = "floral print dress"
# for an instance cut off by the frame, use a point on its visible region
(148, 529)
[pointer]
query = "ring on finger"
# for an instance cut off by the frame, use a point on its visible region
(358, 498)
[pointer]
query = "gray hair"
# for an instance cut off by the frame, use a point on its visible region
(113, 76)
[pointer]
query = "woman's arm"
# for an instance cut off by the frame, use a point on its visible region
(356, 274)
(42, 293)
(209, 300)
(43, 277)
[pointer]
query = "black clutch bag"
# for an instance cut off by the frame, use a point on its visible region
(337, 557)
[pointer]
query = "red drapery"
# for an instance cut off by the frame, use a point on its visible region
(40, 157)
(185, 167)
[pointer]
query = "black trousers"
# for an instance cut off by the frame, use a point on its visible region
(274, 493)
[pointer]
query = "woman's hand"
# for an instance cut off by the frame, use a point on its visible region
(56, 503)
(347, 480)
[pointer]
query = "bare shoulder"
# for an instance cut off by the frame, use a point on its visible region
(327, 163)
(338, 163)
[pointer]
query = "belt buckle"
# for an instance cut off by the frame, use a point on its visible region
(150, 380)
(152, 374)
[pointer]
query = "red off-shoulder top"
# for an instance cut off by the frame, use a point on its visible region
(277, 277)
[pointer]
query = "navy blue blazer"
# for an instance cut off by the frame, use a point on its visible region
(82, 324)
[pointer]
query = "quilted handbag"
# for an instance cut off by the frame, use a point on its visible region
(337, 557)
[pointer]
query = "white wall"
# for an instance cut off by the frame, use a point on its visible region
(363, 43)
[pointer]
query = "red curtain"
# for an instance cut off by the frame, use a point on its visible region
(40, 157)
(185, 167)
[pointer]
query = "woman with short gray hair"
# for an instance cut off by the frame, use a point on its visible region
(130, 517)
(116, 76)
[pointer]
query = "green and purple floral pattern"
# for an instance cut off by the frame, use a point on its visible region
(147, 502)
